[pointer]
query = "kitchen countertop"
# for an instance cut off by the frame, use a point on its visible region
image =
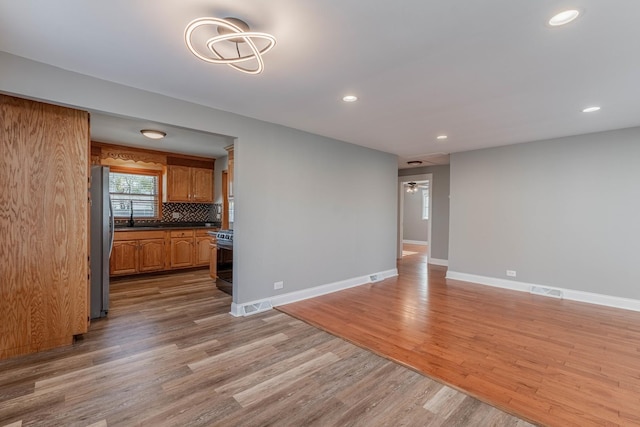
(166, 227)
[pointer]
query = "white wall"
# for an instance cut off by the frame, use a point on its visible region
(413, 226)
(561, 213)
(301, 213)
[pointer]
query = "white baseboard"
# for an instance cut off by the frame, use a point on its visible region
(258, 306)
(416, 242)
(568, 294)
(436, 261)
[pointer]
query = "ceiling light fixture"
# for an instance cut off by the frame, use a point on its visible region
(213, 49)
(350, 98)
(412, 187)
(591, 109)
(441, 137)
(563, 18)
(414, 162)
(153, 134)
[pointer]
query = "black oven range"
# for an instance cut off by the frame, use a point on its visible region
(224, 262)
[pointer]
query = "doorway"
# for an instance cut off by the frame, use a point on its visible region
(415, 211)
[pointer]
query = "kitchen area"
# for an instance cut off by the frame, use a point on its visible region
(157, 212)
(79, 213)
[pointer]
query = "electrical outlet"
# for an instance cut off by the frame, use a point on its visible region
(176, 215)
(511, 273)
(278, 285)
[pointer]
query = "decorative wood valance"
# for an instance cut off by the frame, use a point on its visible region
(101, 151)
(127, 153)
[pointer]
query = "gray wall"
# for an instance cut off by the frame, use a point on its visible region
(440, 206)
(311, 211)
(561, 212)
(301, 213)
(414, 227)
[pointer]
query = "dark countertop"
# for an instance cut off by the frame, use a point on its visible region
(166, 226)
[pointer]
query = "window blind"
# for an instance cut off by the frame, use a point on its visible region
(134, 192)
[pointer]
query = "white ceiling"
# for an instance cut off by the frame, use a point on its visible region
(486, 73)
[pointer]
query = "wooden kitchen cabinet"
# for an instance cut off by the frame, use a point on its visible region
(44, 248)
(189, 184)
(182, 249)
(137, 252)
(151, 255)
(124, 258)
(203, 249)
(178, 184)
(202, 185)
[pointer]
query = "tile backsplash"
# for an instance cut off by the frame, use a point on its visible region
(187, 212)
(183, 212)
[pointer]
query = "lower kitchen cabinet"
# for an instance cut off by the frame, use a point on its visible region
(124, 258)
(182, 249)
(203, 247)
(151, 255)
(137, 252)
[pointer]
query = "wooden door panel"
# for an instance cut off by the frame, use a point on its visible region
(178, 184)
(202, 180)
(124, 258)
(203, 250)
(151, 255)
(181, 252)
(44, 166)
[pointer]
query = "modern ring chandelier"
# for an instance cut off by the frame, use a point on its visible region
(199, 39)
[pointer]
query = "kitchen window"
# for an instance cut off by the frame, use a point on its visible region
(137, 191)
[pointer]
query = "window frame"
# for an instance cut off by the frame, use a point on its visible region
(147, 172)
(425, 206)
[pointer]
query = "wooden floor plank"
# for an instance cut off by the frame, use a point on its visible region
(552, 361)
(170, 354)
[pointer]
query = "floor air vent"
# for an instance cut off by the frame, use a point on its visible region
(256, 308)
(546, 292)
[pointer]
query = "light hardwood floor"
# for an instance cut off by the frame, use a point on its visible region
(170, 354)
(551, 361)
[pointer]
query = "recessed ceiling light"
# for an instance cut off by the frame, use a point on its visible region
(442, 137)
(590, 109)
(350, 98)
(563, 18)
(153, 134)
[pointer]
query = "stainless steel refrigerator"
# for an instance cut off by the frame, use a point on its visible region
(102, 228)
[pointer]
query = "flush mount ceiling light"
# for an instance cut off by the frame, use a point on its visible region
(153, 134)
(591, 109)
(441, 137)
(414, 162)
(220, 49)
(563, 18)
(349, 98)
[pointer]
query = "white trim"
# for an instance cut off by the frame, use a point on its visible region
(436, 261)
(265, 304)
(416, 242)
(569, 294)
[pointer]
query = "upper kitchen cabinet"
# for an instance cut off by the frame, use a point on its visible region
(189, 181)
(44, 210)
